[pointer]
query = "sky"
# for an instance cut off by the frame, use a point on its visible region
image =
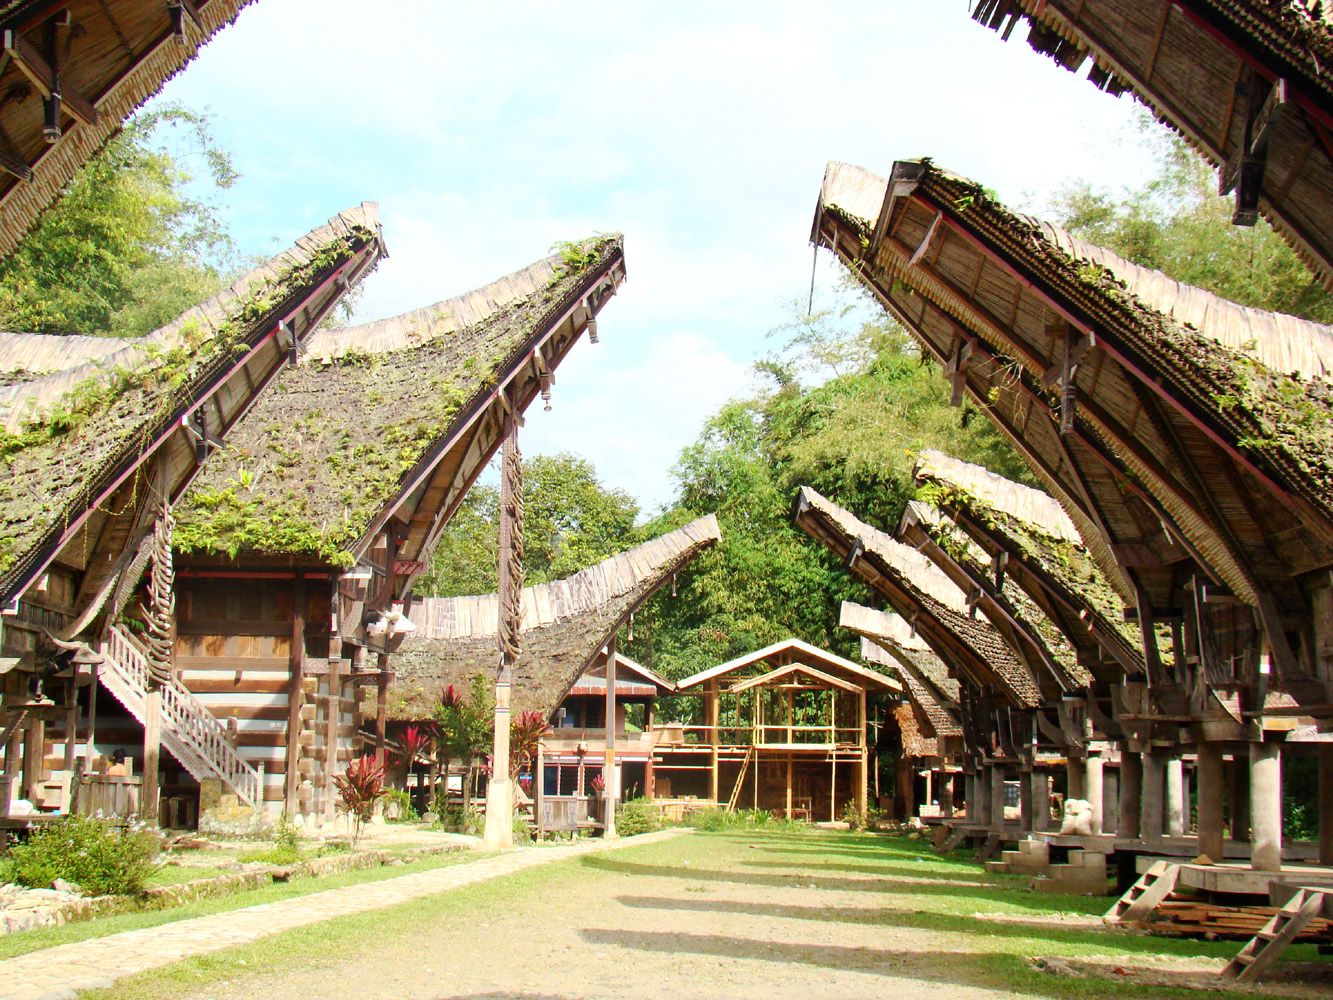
(488, 132)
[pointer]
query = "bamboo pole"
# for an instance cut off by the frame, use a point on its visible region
(712, 713)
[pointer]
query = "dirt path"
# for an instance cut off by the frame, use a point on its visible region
(738, 915)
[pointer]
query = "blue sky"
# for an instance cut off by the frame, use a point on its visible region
(488, 132)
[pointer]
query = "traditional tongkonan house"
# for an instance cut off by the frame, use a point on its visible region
(98, 446)
(72, 71)
(786, 729)
(1186, 438)
(1246, 82)
(930, 731)
(298, 545)
(1000, 699)
(569, 629)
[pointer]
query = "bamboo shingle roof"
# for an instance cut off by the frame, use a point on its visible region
(26, 356)
(919, 591)
(566, 624)
(1025, 626)
(113, 56)
(1176, 447)
(1051, 565)
(1203, 66)
(72, 438)
(941, 720)
(890, 630)
(395, 417)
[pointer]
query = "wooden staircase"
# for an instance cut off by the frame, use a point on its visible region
(1153, 886)
(192, 734)
(1263, 949)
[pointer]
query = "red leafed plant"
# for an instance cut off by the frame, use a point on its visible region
(525, 735)
(416, 740)
(598, 784)
(360, 787)
(449, 698)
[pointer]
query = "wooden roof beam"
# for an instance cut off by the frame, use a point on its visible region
(45, 77)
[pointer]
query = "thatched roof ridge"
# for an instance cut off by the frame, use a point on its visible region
(921, 584)
(412, 328)
(1192, 62)
(120, 54)
(952, 547)
(941, 719)
(71, 437)
(890, 630)
(794, 649)
(28, 356)
(1064, 560)
(372, 412)
(565, 625)
(1031, 506)
(19, 403)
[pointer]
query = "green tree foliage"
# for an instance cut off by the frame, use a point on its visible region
(1178, 224)
(853, 436)
(571, 521)
(128, 247)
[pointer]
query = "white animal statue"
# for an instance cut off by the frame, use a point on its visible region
(1078, 818)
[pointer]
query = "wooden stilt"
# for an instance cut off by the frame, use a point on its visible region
(712, 708)
(152, 751)
(382, 710)
(333, 703)
(789, 774)
(90, 754)
(610, 788)
(71, 720)
(295, 699)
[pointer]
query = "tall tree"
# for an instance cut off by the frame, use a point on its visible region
(571, 521)
(129, 246)
(1178, 224)
(854, 436)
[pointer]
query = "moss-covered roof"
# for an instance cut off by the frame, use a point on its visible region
(956, 545)
(929, 594)
(68, 436)
(1283, 422)
(903, 663)
(565, 624)
(319, 459)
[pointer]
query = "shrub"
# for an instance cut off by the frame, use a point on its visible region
(100, 860)
(709, 820)
(401, 799)
(286, 849)
(360, 787)
(638, 816)
(522, 830)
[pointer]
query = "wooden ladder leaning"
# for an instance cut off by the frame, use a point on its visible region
(740, 780)
(1153, 886)
(1286, 924)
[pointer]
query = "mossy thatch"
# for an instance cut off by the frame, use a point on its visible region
(565, 625)
(319, 458)
(66, 437)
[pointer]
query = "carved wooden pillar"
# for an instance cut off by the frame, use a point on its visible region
(499, 831)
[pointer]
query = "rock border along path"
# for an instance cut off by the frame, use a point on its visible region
(60, 972)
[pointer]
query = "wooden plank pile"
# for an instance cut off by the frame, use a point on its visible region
(1186, 916)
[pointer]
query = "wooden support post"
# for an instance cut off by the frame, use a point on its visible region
(295, 699)
(91, 752)
(1210, 784)
(997, 799)
(152, 751)
(539, 789)
(863, 778)
(1326, 804)
(833, 785)
(1266, 806)
(611, 786)
(1093, 788)
(790, 769)
(382, 710)
(712, 712)
(1152, 784)
(333, 707)
(71, 720)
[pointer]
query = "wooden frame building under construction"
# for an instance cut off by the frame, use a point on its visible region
(786, 728)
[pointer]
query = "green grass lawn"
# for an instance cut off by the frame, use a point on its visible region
(46, 937)
(901, 884)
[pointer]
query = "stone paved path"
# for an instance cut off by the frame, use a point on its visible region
(59, 973)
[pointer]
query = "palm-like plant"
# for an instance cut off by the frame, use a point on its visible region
(525, 735)
(360, 787)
